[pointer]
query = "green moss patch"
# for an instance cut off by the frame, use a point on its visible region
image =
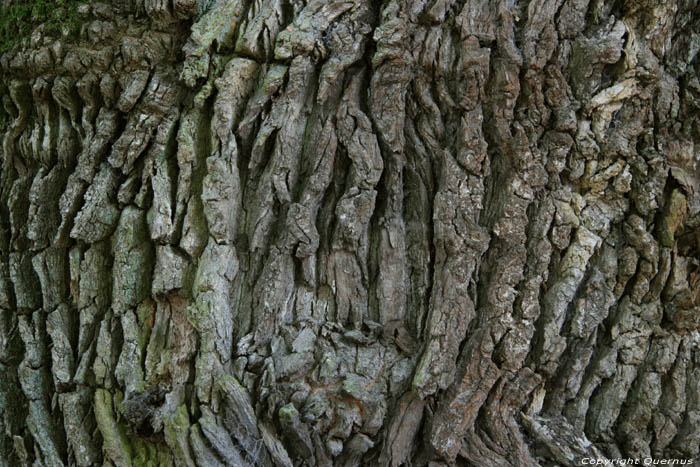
(19, 19)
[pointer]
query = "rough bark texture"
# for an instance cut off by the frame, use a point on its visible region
(352, 232)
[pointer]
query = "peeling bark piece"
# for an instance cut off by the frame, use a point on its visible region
(276, 449)
(273, 80)
(560, 442)
(151, 123)
(194, 229)
(19, 91)
(302, 36)
(106, 351)
(170, 272)
(116, 444)
(591, 54)
(99, 215)
(555, 303)
(133, 88)
(24, 280)
(50, 267)
(59, 326)
(133, 260)
(211, 313)
(129, 371)
(234, 86)
(675, 216)
(403, 428)
(106, 127)
(476, 374)
(220, 439)
(203, 454)
(241, 421)
(34, 380)
(257, 36)
(218, 24)
(161, 219)
(79, 422)
(220, 197)
(221, 186)
(43, 219)
(348, 262)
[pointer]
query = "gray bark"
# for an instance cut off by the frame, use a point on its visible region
(352, 232)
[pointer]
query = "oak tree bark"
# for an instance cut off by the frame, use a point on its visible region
(352, 232)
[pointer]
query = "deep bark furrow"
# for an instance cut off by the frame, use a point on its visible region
(281, 232)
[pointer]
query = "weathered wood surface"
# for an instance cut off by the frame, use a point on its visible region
(352, 232)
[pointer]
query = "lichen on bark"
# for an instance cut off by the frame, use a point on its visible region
(351, 232)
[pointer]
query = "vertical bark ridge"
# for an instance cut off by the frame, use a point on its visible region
(281, 232)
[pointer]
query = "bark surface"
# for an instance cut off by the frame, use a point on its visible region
(352, 232)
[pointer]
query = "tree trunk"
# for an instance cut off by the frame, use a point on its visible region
(352, 232)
